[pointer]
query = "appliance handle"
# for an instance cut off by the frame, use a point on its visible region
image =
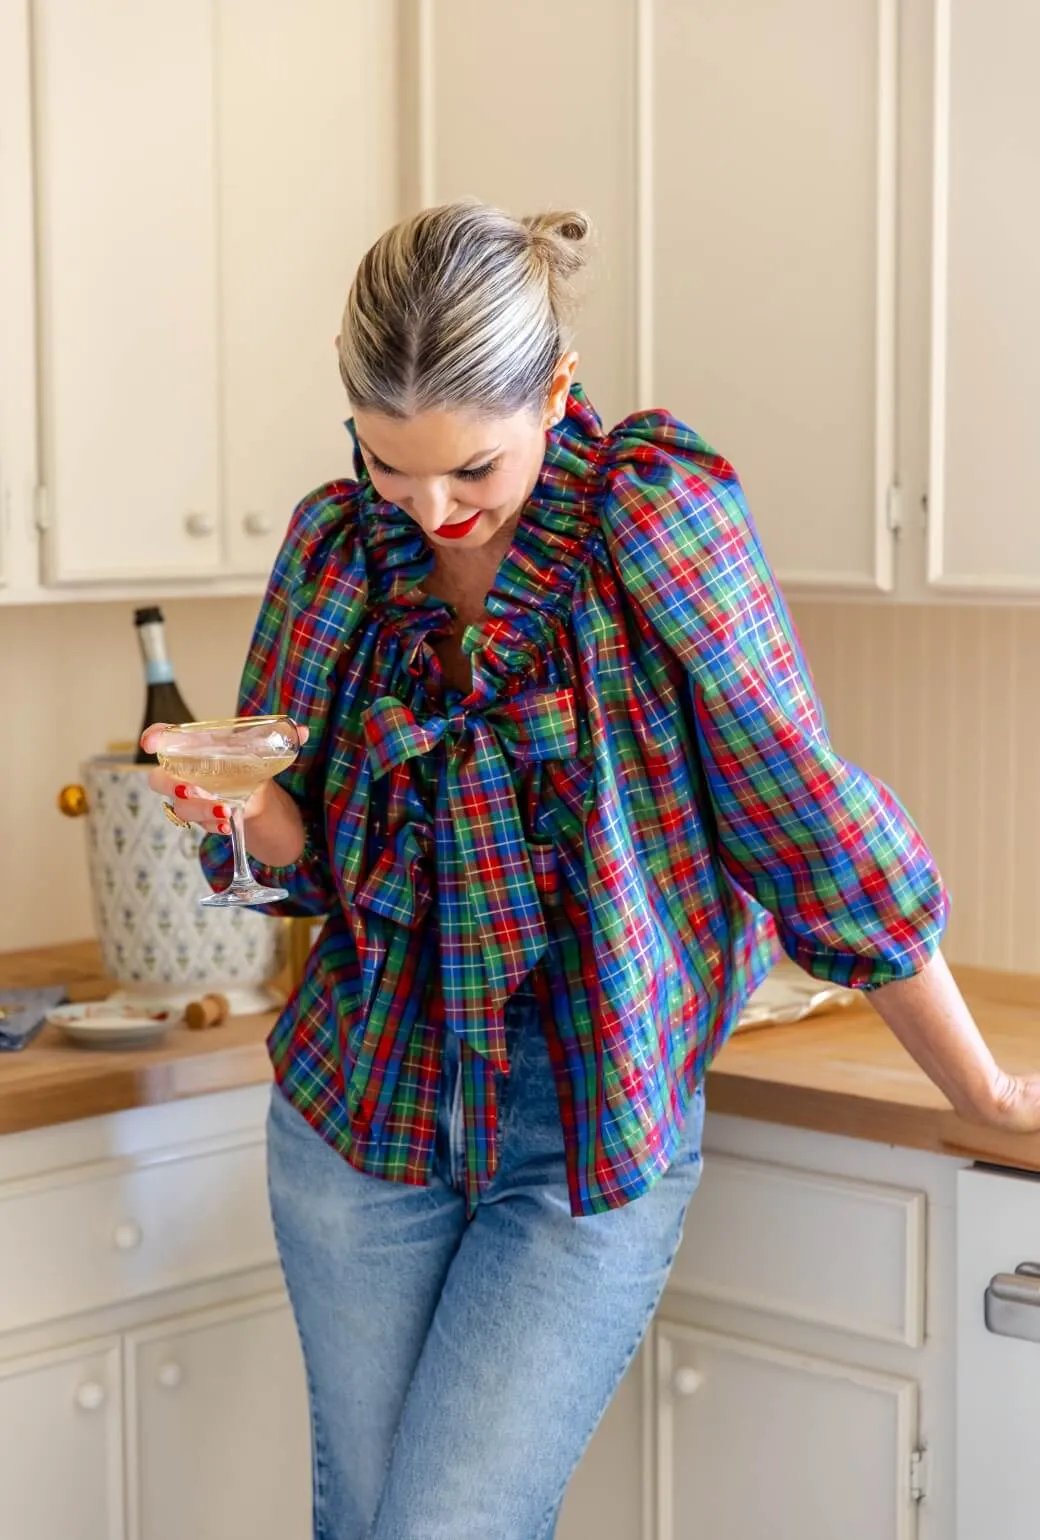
(1012, 1303)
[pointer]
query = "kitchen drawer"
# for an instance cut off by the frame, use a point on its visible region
(91, 1236)
(829, 1250)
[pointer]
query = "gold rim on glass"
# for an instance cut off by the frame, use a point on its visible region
(224, 722)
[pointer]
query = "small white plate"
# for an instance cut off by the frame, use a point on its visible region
(98, 1024)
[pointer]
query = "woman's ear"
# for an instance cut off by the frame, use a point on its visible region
(559, 388)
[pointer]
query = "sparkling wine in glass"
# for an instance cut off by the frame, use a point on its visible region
(231, 758)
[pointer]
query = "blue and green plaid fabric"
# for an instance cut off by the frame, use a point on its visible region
(636, 803)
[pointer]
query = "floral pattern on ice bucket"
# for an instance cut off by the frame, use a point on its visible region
(146, 883)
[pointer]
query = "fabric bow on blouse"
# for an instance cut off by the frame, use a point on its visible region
(487, 948)
(635, 803)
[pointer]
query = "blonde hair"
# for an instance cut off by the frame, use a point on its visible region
(462, 306)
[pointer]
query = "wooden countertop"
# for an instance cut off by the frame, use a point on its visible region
(842, 1073)
(54, 1081)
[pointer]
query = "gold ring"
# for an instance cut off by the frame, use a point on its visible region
(175, 818)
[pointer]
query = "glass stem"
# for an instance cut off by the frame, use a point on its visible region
(243, 876)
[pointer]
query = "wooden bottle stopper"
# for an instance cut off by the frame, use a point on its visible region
(210, 1011)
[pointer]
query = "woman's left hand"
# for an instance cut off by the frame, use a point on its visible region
(1016, 1106)
(929, 1016)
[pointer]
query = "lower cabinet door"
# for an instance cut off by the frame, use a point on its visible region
(61, 1456)
(218, 1429)
(757, 1441)
(605, 1496)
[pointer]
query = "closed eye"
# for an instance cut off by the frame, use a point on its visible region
(378, 465)
(471, 473)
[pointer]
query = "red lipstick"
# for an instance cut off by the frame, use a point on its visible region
(455, 531)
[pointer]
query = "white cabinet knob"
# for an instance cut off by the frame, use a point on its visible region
(127, 1236)
(199, 525)
(170, 1376)
(257, 524)
(90, 1396)
(687, 1381)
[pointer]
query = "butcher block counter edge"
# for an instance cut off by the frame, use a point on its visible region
(841, 1073)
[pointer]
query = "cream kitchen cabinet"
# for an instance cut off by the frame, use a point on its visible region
(218, 1429)
(610, 1493)
(704, 139)
(798, 204)
(18, 472)
(774, 268)
(205, 1431)
(824, 1448)
(812, 247)
(803, 1358)
(61, 1457)
(984, 529)
(206, 178)
(526, 136)
(800, 1378)
(151, 1382)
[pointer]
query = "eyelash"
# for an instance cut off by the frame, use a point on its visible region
(477, 473)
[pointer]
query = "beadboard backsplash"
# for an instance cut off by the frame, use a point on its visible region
(941, 703)
(71, 684)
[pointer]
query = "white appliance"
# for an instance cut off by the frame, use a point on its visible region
(998, 1354)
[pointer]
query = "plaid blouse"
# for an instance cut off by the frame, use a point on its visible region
(635, 804)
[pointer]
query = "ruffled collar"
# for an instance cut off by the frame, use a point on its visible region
(531, 597)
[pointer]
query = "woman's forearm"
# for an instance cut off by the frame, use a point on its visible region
(929, 1016)
(274, 828)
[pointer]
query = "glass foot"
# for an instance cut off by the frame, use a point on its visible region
(243, 893)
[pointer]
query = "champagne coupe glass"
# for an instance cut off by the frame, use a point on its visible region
(231, 758)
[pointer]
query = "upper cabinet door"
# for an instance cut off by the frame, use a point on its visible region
(126, 245)
(532, 107)
(17, 336)
(984, 496)
(774, 192)
(307, 179)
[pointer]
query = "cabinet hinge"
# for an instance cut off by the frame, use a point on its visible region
(41, 509)
(918, 1475)
(894, 509)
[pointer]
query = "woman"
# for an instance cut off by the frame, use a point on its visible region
(565, 792)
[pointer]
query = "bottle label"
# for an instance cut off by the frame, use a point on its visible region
(158, 671)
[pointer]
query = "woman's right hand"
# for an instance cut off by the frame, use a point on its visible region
(273, 826)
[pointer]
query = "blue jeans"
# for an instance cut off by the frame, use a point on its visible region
(457, 1369)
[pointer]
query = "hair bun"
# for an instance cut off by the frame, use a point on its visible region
(560, 245)
(572, 226)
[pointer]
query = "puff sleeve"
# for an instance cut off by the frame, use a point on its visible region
(826, 848)
(314, 597)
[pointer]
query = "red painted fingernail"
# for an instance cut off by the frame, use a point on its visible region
(219, 810)
(180, 791)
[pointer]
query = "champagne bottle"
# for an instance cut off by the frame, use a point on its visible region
(164, 702)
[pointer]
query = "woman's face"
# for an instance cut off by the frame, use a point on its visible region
(459, 470)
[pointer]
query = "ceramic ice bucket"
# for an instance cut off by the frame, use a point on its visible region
(161, 948)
